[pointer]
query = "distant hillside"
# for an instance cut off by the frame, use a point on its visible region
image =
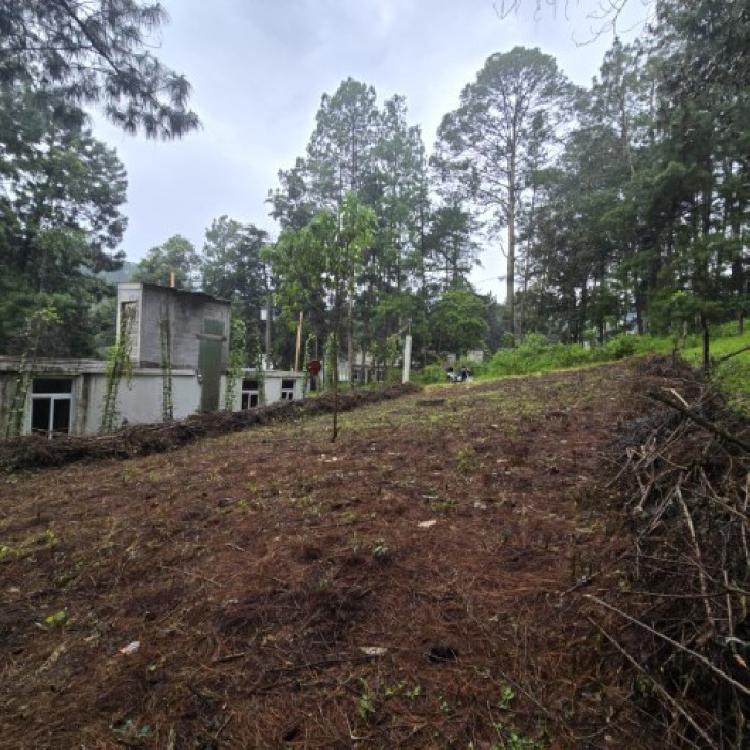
(124, 274)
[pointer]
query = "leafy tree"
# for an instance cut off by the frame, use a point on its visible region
(330, 248)
(451, 251)
(96, 52)
(340, 148)
(177, 255)
(233, 268)
(358, 148)
(485, 143)
(458, 321)
(60, 218)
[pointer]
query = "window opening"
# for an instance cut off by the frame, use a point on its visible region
(250, 393)
(51, 406)
(287, 389)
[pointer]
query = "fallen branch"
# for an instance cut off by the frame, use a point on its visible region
(720, 360)
(700, 420)
(702, 659)
(659, 687)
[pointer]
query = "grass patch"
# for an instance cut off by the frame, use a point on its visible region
(734, 374)
(535, 354)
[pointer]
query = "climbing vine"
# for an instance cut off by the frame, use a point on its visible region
(311, 344)
(167, 406)
(119, 365)
(237, 358)
(36, 324)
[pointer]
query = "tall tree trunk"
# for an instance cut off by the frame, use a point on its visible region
(510, 281)
(335, 385)
(350, 340)
(706, 344)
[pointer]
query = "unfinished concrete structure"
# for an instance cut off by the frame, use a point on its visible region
(177, 329)
(174, 334)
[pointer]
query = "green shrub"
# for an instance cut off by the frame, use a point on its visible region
(431, 374)
(618, 347)
(536, 354)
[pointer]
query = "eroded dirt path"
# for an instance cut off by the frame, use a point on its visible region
(258, 571)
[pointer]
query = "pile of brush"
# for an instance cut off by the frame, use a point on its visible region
(35, 451)
(677, 623)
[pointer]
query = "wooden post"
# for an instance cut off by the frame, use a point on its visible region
(171, 280)
(298, 345)
(706, 344)
(406, 365)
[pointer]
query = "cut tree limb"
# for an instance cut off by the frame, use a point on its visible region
(732, 354)
(702, 659)
(702, 421)
(659, 687)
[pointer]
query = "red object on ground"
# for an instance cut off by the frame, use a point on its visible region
(313, 366)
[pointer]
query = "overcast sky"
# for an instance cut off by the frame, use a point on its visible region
(258, 69)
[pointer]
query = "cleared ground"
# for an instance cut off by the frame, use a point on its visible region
(400, 588)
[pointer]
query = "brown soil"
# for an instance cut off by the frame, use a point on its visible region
(258, 569)
(36, 451)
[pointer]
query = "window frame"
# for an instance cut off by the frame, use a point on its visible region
(288, 393)
(250, 393)
(52, 398)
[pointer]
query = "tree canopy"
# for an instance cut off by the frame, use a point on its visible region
(96, 52)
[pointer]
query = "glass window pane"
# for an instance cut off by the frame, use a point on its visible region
(52, 385)
(287, 384)
(61, 416)
(40, 408)
(249, 385)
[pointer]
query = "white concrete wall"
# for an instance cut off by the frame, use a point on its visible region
(140, 401)
(271, 386)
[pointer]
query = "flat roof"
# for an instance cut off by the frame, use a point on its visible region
(173, 290)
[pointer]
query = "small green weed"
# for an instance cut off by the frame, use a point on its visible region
(381, 551)
(465, 460)
(56, 619)
(510, 739)
(506, 698)
(365, 703)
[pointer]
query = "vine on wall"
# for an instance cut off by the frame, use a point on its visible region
(37, 324)
(311, 344)
(167, 406)
(237, 358)
(119, 365)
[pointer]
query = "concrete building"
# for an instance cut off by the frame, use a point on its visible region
(184, 334)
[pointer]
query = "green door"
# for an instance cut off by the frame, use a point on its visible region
(209, 363)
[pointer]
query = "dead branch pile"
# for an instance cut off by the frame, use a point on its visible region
(677, 622)
(35, 451)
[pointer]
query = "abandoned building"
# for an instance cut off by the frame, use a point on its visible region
(178, 349)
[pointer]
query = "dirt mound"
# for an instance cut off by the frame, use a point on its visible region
(33, 451)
